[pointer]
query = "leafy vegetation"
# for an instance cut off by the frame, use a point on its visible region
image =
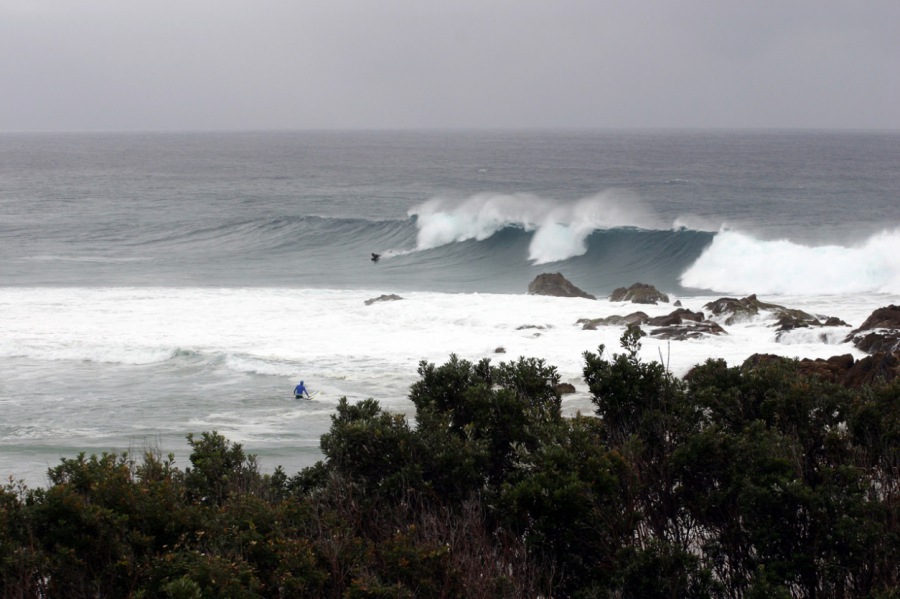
(730, 483)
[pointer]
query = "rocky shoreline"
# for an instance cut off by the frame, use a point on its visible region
(878, 336)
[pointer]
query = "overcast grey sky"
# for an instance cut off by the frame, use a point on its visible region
(337, 64)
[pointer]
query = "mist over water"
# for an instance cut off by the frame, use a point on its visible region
(154, 285)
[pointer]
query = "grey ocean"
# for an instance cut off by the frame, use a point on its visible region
(157, 284)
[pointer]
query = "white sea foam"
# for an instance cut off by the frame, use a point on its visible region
(739, 263)
(82, 359)
(560, 227)
(285, 333)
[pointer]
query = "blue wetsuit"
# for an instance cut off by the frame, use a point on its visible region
(299, 390)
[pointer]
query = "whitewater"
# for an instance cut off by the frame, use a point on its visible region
(155, 285)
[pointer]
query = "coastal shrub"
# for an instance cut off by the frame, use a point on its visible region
(736, 482)
(374, 449)
(220, 468)
(500, 407)
(565, 500)
(20, 560)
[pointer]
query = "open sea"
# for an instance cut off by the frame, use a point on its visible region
(158, 284)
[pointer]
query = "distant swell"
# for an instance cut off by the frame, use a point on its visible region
(738, 263)
(484, 243)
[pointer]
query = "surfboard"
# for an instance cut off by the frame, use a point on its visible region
(311, 395)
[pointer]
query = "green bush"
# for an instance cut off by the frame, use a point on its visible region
(733, 483)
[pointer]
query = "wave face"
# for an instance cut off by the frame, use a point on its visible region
(303, 210)
(484, 243)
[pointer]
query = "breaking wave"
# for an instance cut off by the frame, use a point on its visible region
(738, 263)
(560, 229)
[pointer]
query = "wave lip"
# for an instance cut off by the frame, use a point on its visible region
(739, 263)
(561, 228)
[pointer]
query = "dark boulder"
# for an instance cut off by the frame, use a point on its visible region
(880, 332)
(639, 293)
(565, 388)
(556, 285)
(879, 367)
(383, 298)
(679, 316)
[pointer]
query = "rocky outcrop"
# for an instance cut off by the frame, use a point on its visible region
(590, 324)
(678, 325)
(556, 285)
(878, 367)
(679, 316)
(842, 370)
(731, 310)
(383, 298)
(565, 388)
(639, 293)
(880, 332)
(684, 324)
(688, 330)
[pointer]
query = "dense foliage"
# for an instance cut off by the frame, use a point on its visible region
(731, 483)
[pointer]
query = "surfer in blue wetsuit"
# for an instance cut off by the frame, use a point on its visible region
(299, 390)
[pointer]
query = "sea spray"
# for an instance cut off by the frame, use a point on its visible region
(736, 262)
(560, 227)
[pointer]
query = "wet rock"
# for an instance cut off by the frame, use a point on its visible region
(677, 317)
(678, 325)
(615, 320)
(735, 310)
(639, 293)
(565, 388)
(834, 369)
(500, 350)
(880, 332)
(688, 330)
(383, 298)
(787, 322)
(555, 285)
(879, 367)
(731, 310)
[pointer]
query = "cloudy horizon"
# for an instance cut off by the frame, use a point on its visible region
(100, 65)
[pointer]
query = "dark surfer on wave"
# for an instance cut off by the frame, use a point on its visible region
(375, 257)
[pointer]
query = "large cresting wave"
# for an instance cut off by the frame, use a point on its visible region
(738, 263)
(560, 228)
